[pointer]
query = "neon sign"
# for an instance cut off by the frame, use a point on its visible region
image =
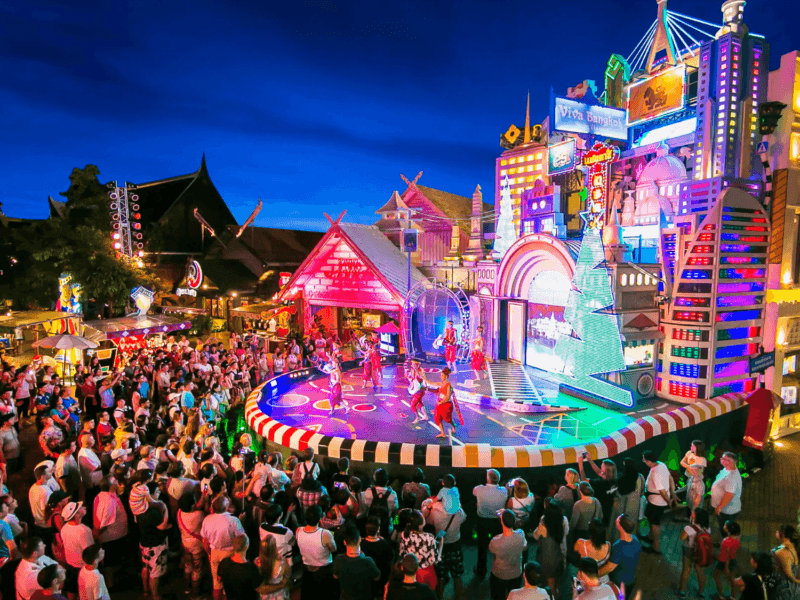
(597, 159)
(194, 275)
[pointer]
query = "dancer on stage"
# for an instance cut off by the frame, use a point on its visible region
(372, 366)
(377, 370)
(450, 345)
(335, 387)
(478, 358)
(417, 390)
(445, 403)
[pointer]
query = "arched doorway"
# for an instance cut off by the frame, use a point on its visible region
(533, 285)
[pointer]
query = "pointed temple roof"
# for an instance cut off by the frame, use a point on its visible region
(455, 207)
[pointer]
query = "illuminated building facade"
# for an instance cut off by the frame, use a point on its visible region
(713, 318)
(523, 166)
(732, 84)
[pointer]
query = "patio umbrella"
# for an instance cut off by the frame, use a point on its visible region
(65, 341)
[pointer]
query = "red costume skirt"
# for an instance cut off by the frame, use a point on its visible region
(450, 353)
(478, 361)
(367, 374)
(444, 412)
(416, 400)
(335, 395)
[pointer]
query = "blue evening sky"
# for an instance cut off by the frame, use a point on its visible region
(312, 105)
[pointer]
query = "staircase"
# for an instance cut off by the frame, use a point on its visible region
(509, 381)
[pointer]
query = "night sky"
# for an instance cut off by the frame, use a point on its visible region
(311, 105)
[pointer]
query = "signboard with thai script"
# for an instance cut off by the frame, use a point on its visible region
(660, 95)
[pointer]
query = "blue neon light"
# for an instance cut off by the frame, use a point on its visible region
(738, 300)
(734, 247)
(682, 370)
(734, 351)
(696, 274)
(739, 315)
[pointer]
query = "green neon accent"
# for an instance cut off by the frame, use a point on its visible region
(595, 347)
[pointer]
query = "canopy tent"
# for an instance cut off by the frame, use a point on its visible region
(263, 311)
(122, 327)
(27, 318)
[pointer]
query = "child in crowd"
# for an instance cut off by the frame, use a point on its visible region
(726, 562)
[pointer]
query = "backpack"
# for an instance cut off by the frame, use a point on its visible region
(703, 548)
(380, 508)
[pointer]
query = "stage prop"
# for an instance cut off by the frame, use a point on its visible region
(428, 307)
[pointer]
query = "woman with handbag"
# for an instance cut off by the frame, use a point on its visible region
(584, 511)
(520, 502)
(630, 487)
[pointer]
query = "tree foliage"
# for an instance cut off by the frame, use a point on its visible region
(79, 243)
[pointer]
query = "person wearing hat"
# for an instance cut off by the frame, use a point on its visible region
(76, 536)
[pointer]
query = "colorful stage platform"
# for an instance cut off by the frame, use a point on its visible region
(292, 411)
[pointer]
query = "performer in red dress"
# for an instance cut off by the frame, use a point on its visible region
(366, 374)
(335, 388)
(377, 373)
(478, 358)
(450, 345)
(445, 404)
(417, 390)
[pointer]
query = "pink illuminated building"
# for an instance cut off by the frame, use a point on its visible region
(355, 279)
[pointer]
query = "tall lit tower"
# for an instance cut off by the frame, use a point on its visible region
(732, 84)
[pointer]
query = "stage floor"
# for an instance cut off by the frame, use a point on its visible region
(378, 428)
(385, 414)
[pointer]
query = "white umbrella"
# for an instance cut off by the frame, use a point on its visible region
(65, 341)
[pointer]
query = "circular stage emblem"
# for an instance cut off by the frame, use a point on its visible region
(322, 405)
(364, 407)
(289, 401)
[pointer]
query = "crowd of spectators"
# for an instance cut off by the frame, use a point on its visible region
(143, 473)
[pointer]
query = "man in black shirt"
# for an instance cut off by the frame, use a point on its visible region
(605, 487)
(153, 524)
(409, 588)
(381, 551)
(240, 577)
(355, 571)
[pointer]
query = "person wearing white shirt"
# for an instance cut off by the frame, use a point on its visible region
(91, 583)
(91, 473)
(33, 560)
(491, 498)
(726, 491)
(532, 575)
(76, 536)
(38, 496)
(218, 531)
(657, 490)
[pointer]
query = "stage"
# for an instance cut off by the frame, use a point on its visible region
(541, 428)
